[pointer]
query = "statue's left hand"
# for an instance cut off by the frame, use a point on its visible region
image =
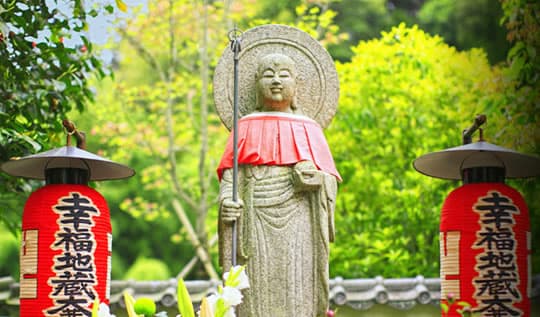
(307, 176)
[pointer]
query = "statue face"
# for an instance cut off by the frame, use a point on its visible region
(276, 83)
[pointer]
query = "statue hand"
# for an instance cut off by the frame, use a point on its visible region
(230, 210)
(307, 176)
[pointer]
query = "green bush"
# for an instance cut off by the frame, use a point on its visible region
(147, 269)
(402, 96)
(9, 256)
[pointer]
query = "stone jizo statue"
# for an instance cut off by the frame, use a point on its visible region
(287, 189)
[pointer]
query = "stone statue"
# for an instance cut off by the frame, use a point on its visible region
(287, 189)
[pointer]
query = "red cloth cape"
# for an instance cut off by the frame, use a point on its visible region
(279, 139)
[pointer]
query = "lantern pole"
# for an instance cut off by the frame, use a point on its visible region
(235, 37)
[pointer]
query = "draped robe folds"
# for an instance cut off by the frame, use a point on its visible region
(285, 229)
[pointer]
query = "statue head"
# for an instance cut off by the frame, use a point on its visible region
(276, 83)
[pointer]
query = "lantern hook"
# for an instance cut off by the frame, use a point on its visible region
(467, 133)
(72, 130)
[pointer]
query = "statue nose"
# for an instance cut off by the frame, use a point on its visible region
(276, 79)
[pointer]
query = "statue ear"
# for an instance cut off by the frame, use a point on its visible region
(257, 106)
(299, 81)
(294, 106)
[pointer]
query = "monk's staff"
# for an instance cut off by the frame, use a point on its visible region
(234, 37)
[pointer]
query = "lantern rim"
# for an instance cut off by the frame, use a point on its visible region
(34, 166)
(449, 163)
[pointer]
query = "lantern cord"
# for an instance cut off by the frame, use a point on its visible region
(235, 38)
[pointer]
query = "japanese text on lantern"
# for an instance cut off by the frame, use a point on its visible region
(73, 286)
(496, 285)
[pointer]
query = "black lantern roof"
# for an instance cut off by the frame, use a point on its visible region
(450, 163)
(34, 166)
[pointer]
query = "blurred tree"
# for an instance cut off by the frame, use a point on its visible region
(158, 117)
(10, 252)
(521, 77)
(462, 23)
(467, 24)
(46, 60)
(518, 127)
(402, 96)
(145, 269)
(361, 20)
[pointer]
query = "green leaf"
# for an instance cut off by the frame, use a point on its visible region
(121, 5)
(221, 308)
(444, 308)
(95, 308)
(184, 301)
(129, 301)
(233, 279)
(36, 146)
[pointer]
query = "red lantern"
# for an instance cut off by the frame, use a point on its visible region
(485, 239)
(65, 252)
(485, 250)
(66, 245)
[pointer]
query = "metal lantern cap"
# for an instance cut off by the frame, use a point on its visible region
(449, 163)
(34, 166)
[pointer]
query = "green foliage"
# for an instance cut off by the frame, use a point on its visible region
(519, 104)
(44, 65)
(157, 117)
(363, 19)
(449, 305)
(146, 269)
(462, 23)
(521, 79)
(402, 96)
(10, 252)
(455, 21)
(157, 120)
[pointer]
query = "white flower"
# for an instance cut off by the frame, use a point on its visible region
(212, 302)
(231, 296)
(238, 278)
(230, 312)
(228, 296)
(103, 311)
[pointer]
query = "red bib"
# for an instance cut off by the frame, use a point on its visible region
(279, 139)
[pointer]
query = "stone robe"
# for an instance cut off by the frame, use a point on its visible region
(285, 229)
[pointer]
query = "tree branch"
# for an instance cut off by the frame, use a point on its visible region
(188, 267)
(143, 53)
(199, 248)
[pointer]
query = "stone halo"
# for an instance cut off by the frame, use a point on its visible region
(317, 81)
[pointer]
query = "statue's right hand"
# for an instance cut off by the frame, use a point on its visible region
(231, 210)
